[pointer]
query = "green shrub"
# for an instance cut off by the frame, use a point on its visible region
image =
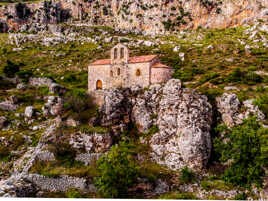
(206, 77)
(187, 176)
(80, 104)
(252, 78)
(246, 77)
(25, 75)
(73, 193)
(154, 129)
(118, 172)
(235, 76)
(10, 69)
(182, 75)
(262, 103)
(246, 147)
(178, 196)
(241, 196)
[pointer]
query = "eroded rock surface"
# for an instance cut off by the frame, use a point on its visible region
(231, 109)
(182, 116)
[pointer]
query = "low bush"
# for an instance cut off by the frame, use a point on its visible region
(241, 196)
(118, 172)
(10, 69)
(245, 146)
(182, 75)
(244, 77)
(262, 103)
(73, 193)
(25, 75)
(80, 105)
(186, 176)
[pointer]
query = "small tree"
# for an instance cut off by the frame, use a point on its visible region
(246, 148)
(10, 69)
(118, 172)
(187, 176)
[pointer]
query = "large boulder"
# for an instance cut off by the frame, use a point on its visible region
(182, 116)
(115, 110)
(18, 188)
(93, 142)
(228, 105)
(233, 112)
(184, 121)
(8, 106)
(29, 111)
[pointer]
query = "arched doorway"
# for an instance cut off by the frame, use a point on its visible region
(99, 84)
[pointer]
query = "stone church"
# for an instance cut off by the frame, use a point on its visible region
(124, 71)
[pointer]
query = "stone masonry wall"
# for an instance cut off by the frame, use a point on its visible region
(159, 75)
(98, 72)
(144, 79)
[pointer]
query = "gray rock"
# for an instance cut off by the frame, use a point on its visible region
(45, 156)
(161, 187)
(3, 121)
(93, 142)
(231, 110)
(88, 158)
(13, 99)
(8, 106)
(56, 88)
(183, 119)
(228, 88)
(54, 106)
(21, 86)
(228, 105)
(71, 122)
(20, 188)
(41, 81)
(29, 111)
(61, 183)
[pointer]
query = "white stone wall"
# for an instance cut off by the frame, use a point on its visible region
(144, 79)
(159, 75)
(98, 72)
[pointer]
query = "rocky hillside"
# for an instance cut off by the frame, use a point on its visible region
(201, 135)
(147, 16)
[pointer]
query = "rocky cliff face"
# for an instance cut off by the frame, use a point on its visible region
(148, 16)
(182, 116)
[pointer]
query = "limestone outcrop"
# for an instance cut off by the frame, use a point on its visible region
(182, 116)
(231, 109)
(147, 16)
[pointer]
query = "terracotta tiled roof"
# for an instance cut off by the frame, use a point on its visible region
(160, 65)
(101, 62)
(137, 59)
(141, 59)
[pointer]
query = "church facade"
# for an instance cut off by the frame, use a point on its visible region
(124, 71)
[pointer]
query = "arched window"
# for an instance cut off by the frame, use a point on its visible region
(99, 84)
(138, 72)
(122, 53)
(111, 73)
(118, 71)
(115, 53)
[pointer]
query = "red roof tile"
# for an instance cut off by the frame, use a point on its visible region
(137, 59)
(141, 59)
(101, 62)
(160, 65)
